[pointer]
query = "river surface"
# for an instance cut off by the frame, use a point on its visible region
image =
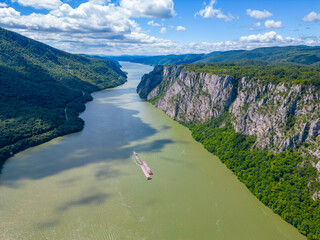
(87, 185)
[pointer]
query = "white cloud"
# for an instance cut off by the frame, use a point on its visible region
(262, 38)
(258, 14)
(8, 13)
(3, 5)
(95, 27)
(312, 17)
(258, 24)
(151, 8)
(89, 20)
(154, 24)
(42, 4)
(272, 24)
(210, 12)
(180, 28)
(163, 30)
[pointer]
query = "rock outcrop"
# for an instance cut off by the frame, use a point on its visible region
(281, 116)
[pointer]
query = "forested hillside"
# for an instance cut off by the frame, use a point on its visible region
(291, 55)
(37, 82)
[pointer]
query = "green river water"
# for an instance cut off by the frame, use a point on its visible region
(87, 185)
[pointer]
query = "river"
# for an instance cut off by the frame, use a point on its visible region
(87, 185)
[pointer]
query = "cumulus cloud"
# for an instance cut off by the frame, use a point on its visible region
(154, 24)
(94, 27)
(43, 4)
(312, 17)
(245, 42)
(272, 24)
(161, 9)
(210, 12)
(3, 5)
(262, 38)
(8, 13)
(88, 22)
(102, 27)
(180, 28)
(258, 14)
(163, 30)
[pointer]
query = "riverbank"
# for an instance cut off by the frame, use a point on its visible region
(73, 123)
(245, 121)
(274, 179)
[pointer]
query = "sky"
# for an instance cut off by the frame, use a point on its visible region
(158, 27)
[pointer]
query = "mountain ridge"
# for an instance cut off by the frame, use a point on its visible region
(305, 55)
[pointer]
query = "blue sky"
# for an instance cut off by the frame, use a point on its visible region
(155, 27)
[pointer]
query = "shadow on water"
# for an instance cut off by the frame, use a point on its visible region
(96, 199)
(107, 136)
(106, 173)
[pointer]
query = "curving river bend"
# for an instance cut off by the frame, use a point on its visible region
(87, 185)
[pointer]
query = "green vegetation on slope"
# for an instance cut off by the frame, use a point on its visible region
(298, 74)
(278, 180)
(286, 181)
(291, 54)
(37, 82)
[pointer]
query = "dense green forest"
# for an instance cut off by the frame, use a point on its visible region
(278, 180)
(292, 55)
(37, 82)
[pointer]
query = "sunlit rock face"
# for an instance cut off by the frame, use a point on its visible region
(281, 116)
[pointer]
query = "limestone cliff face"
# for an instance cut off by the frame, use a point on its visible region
(281, 116)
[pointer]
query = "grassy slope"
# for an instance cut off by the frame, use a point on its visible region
(37, 82)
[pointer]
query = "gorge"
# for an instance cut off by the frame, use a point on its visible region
(260, 124)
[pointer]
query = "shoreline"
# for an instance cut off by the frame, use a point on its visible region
(72, 124)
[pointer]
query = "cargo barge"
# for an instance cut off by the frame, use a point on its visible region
(143, 166)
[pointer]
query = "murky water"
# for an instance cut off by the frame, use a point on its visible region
(88, 186)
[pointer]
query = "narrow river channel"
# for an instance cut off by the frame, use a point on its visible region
(87, 185)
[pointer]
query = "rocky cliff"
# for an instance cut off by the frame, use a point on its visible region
(280, 115)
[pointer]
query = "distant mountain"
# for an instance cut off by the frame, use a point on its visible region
(37, 83)
(160, 60)
(169, 59)
(293, 54)
(261, 56)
